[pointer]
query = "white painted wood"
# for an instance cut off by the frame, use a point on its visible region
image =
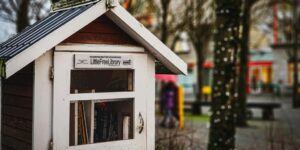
(114, 145)
(61, 107)
(97, 96)
(42, 102)
(99, 48)
(140, 101)
(63, 63)
(151, 103)
(121, 17)
(158, 49)
(103, 61)
(33, 52)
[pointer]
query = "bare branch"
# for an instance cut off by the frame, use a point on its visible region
(7, 18)
(14, 5)
(5, 8)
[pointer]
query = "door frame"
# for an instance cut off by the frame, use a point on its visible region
(63, 64)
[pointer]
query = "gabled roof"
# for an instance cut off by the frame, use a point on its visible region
(42, 36)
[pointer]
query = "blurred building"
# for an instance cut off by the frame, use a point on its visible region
(282, 46)
(187, 52)
(260, 74)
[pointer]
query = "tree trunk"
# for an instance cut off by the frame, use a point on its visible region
(243, 72)
(222, 123)
(196, 108)
(164, 26)
(22, 15)
(296, 101)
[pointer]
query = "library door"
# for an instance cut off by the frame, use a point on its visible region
(98, 101)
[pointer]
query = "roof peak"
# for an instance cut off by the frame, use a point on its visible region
(55, 28)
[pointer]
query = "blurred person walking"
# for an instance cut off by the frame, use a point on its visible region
(168, 101)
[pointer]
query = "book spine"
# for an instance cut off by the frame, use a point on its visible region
(126, 127)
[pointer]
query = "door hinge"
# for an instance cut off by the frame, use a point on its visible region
(51, 75)
(50, 146)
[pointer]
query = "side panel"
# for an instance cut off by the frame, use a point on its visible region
(42, 115)
(151, 103)
(17, 101)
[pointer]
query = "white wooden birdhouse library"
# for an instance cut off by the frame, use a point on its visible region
(82, 78)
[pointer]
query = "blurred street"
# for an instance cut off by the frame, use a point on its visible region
(282, 133)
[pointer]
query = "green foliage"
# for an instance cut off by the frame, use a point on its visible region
(138, 7)
(2, 68)
(197, 118)
(63, 4)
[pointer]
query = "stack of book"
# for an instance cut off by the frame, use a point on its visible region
(106, 124)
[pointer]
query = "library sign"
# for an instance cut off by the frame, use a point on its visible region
(58, 5)
(103, 61)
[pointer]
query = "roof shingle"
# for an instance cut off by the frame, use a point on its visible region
(37, 31)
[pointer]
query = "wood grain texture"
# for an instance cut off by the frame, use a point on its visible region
(101, 31)
(17, 103)
(17, 134)
(14, 144)
(17, 123)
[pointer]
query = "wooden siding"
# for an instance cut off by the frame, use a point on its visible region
(17, 104)
(101, 31)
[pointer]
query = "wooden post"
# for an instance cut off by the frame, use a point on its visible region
(42, 102)
(181, 106)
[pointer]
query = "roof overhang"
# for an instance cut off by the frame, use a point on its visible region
(118, 15)
(19, 61)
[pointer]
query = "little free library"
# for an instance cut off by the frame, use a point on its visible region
(83, 78)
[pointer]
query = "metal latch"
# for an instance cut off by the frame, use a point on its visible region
(50, 146)
(141, 123)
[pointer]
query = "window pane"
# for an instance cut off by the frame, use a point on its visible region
(96, 122)
(89, 81)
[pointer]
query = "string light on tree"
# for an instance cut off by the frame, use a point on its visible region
(227, 37)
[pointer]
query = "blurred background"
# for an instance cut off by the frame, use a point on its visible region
(267, 66)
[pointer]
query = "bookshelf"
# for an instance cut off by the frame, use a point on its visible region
(97, 121)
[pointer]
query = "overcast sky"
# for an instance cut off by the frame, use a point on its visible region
(6, 31)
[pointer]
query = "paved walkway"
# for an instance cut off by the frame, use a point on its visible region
(281, 134)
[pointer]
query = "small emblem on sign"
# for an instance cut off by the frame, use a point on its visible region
(82, 61)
